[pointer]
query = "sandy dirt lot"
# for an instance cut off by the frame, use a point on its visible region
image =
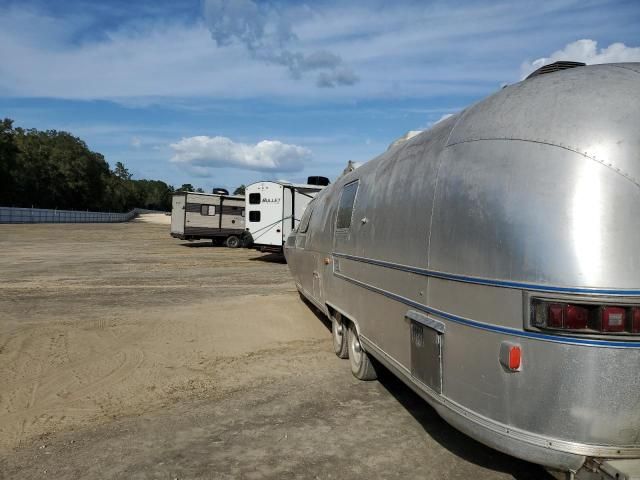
(125, 353)
(158, 218)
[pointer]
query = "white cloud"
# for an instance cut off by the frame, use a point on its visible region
(267, 33)
(393, 50)
(198, 171)
(586, 51)
(202, 152)
(136, 142)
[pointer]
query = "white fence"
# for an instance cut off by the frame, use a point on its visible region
(42, 215)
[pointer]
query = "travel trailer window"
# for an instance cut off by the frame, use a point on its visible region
(304, 223)
(254, 216)
(208, 210)
(345, 208)
(254, 198)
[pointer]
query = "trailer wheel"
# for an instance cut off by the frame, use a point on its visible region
(232, 241)
(361, 364)
(339, 334)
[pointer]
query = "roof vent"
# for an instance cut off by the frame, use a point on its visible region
(220, 191)
(316, 180)
(555, 67)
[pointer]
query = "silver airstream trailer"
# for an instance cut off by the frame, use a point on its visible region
(492, 262)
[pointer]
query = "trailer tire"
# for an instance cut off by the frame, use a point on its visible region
(232, 241)
(339, 334)
(361, 363)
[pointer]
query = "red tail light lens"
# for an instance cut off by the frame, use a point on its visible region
(612, 319)
(556, 316)
(635, 320)
(576, 317)
(588, 318)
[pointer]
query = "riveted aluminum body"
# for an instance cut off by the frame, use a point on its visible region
(534, 190)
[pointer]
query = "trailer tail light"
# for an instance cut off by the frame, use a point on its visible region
(556, 316)
(576, 317)
(612, 319)
(635, 320)
(588, 318)
(567, 316)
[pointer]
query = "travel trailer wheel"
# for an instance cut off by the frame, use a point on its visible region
(361, 364)
(232, 242)
(339, 333)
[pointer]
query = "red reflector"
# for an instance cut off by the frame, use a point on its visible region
(635, 320)
(514, 358)
(510, 356)
(576, 317)
(612, 319)
(555, 316)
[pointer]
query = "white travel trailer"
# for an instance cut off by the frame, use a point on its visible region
(204, 215)
(275, 208)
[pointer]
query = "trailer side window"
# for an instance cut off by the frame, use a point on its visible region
(306, 217)
(345, 207)
(254, 215)
(254, 198)
(208, 210)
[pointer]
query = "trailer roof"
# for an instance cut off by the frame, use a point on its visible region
(289, 184)
(235, 197)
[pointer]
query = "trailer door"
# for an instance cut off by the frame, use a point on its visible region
(178, 206)
(306, 260)
(344, 227)
(288, 212)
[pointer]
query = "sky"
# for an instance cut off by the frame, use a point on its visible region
(221, 93)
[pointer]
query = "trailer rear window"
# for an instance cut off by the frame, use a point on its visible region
(254, 215)
(254, 198)
(345, 208)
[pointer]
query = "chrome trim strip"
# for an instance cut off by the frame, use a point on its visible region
(496, 427)
(485, 281)
(488, 327)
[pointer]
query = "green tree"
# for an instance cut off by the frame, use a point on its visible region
(8, 158)
(51, 169)
(199, 190)
(121, 172)
(240, 190)
(186, 187)
(154, 194)
(121, 195)
(57, 170)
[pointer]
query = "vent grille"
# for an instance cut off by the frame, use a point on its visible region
(555, 67)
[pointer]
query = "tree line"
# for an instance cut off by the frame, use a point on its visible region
(54, 169)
